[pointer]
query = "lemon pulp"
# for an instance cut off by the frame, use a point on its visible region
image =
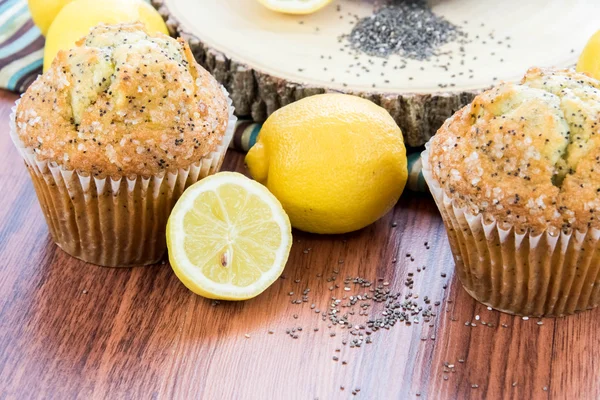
(228, 237)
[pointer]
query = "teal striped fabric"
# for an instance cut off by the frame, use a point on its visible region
(21, 46)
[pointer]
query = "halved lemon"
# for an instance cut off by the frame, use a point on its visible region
(228, 237)
(295, 6)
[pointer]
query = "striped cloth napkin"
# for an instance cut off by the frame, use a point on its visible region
(21, 46)
(21, 55)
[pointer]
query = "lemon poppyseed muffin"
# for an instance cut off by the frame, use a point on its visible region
(123, 102)
(516, 175)
(113, 133)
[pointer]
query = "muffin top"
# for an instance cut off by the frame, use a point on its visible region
(123, 102)
(526, 154)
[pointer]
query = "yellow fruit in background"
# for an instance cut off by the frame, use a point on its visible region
(336, 162)
(589, 61)
(76, 19)
(43, 12)
(295, 6)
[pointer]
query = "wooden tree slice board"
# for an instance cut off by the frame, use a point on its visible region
(267, 60)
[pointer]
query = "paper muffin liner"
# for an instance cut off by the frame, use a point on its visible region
(520, 273)
(113, 222)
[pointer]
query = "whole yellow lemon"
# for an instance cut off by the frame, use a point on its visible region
(76, 19)
(589, 61)
(336, 162)
(43, 12)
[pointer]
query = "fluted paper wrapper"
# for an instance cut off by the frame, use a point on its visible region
(113, 222)
(520, 273)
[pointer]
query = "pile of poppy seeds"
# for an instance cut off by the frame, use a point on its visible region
(358, 308)
(408, 28)
(354, 309)
(404, 35)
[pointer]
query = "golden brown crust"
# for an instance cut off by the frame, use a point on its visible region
(123, 102)
(526, 154)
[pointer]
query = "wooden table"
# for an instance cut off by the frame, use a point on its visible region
(70, 330)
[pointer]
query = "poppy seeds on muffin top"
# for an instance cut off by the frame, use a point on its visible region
(526, 154)
(123, 102)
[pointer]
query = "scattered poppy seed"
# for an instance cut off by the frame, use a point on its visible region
(409, 29)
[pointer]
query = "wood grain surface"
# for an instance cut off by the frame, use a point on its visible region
(72, 330)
